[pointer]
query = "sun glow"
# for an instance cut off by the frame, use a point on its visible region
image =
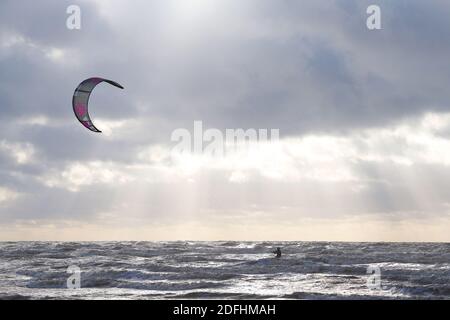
(194, 9)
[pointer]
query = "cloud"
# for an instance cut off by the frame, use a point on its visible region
(7, 195)
(398, 171)
(363, 116)
(21, 153)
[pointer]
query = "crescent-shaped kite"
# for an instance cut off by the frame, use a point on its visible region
(80, 100)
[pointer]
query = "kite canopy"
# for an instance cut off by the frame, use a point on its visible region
(80, 100)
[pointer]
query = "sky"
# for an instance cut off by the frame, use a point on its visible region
(363, 117)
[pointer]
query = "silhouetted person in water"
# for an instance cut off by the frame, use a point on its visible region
(278, 252)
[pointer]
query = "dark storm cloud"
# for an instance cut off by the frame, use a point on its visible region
(308, 70)
(300, 66)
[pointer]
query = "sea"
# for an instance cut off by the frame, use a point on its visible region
(224, 270)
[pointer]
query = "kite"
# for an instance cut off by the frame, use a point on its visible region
(80, 100)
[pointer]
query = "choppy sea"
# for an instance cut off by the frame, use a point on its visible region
(224, 270)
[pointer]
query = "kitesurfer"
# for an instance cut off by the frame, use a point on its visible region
(278, 252)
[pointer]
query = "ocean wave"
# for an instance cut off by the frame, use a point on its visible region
(307, 270)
